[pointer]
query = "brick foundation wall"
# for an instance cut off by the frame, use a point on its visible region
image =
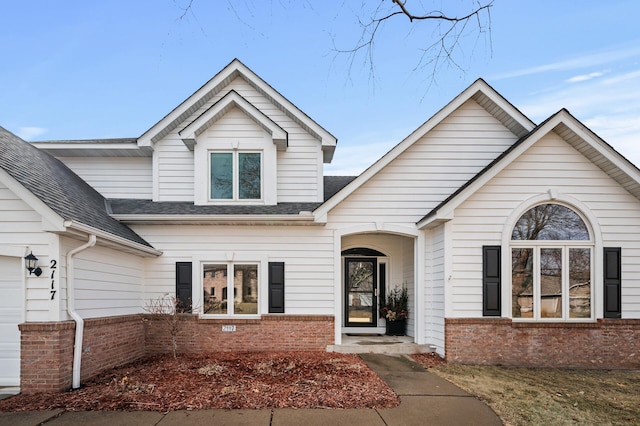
(611, 344)
(47, 348)
(46, 358)
(269, 333)
(111, 342)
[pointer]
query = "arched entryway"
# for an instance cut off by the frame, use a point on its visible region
(373, 264)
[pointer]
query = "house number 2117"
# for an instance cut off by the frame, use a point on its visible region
(54, 264)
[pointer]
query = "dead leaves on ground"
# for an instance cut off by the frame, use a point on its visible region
(224, 380)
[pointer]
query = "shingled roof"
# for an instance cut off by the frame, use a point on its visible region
(58, 187)
(332, 184)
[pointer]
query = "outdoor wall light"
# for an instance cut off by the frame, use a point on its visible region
(32, 265)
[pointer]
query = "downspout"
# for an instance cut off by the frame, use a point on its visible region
(71, 302)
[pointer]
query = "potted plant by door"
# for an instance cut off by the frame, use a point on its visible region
(396, 311)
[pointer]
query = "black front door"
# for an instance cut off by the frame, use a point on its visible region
(360, 291)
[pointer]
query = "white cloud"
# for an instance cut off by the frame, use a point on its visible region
(585, 77)
(608, 106)
(588, 60)
(29, 133)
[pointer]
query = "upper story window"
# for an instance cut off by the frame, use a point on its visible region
(551, 265)
(235, 175)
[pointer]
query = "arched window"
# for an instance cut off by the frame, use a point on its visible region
(551, 265)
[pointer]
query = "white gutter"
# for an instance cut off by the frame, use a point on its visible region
(77, 348)
(305, 218)
(78, 226)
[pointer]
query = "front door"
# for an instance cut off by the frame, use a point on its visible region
(360, 282)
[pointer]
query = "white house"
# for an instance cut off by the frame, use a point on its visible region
(519, 244)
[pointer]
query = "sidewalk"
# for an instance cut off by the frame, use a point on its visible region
(426, 399)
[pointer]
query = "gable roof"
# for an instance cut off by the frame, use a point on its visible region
(61, 190)
(481, 93)
(214, 86)
(216, 111)
(574, 133)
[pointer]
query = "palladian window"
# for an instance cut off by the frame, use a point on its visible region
(551, 265)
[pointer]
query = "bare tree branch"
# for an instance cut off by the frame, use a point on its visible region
(449, 31)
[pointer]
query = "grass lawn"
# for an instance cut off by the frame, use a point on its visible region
(528, 396)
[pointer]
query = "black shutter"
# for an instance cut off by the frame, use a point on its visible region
(183, 285)
(612, 282)
(382, 288)
(491, 294)
(276, 287)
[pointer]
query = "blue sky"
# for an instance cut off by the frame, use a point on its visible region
(90, 69)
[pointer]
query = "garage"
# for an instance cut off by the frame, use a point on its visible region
(11, 314)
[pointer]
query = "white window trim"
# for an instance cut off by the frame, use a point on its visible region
(236, 177)
(202, 168)
(230, 258)
(537, 245)
(595, 233)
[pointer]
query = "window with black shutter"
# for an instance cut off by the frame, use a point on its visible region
(276, 287)
(612, 282)
(183, 285)
(491, 278)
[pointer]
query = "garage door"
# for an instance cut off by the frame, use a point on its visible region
(11, 309)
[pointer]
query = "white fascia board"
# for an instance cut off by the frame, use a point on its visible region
(234, 69)
(447, 211)
(61, 149)
(328, 141)
(147, 137)
(304, 218)
(53, 221)
(599, 145)
(437, 118)
(438, 218)
(141, 249)
(233, 99)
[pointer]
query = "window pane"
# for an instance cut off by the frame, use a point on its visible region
(522, 282)
(550, 222)
(249, 176)
(579, 283)
(221, 175)
(215, 289)
(245, 285)
(551, 283)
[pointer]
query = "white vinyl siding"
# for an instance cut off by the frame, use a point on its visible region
(306, 251)
(173, 170)
(550, 164)
(107, 282)
(299, 167)
(434, 306)
(114, 177)
(21, 226)
(430, 170)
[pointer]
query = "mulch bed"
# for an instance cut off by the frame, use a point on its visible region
(224, 380)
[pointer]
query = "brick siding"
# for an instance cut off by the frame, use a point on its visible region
(610, 344)
(47, 348)
(46, 356)
(269, 333)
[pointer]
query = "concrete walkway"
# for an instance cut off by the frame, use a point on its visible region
(426, 399)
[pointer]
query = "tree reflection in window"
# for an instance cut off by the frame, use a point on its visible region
(551, 273)
(249, 176)
(550, 222)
